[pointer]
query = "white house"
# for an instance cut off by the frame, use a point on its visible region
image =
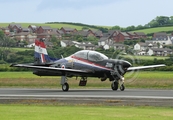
(140, 46)
(159, 51)
(144, 46)
(65, 43)
(30, 45)
(106, 46)
(115, 46)
(86, 46)
(104, 40)
(163, 40)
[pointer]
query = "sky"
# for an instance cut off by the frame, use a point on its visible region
(123, 13)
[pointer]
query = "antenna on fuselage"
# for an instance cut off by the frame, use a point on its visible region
(62, 56)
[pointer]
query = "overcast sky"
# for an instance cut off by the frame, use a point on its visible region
(93, 12)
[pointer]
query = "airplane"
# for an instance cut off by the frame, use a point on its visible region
(84, 64)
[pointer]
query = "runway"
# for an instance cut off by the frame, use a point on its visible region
(94, 96)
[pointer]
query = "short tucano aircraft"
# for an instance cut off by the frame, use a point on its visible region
(84, 64)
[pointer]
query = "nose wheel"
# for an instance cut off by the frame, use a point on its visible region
(122, 87)
(114, 86)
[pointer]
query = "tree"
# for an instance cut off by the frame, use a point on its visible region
(116, 28)
(130, 28)
(162, 20)
(171, 20)
(55, 41)
(91, 38)
(153, 23)
(104, 30)
(5, 44)
(139, 27)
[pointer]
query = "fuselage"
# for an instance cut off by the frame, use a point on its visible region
(95, 63)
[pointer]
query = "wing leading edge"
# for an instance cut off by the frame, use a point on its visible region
(145, 67)
(49, 68)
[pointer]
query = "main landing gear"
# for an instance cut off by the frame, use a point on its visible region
(65, 85)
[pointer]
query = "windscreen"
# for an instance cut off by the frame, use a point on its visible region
(96, 56)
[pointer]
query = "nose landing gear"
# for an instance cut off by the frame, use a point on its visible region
(115, 84)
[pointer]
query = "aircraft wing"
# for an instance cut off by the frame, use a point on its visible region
(145, 67)
(53, 69)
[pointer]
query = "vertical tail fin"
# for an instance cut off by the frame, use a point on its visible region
(41, 55)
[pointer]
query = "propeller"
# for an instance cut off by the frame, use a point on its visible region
(123, 64)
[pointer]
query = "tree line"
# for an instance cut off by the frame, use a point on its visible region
(159, 21)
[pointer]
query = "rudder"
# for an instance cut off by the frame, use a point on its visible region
(40, 54)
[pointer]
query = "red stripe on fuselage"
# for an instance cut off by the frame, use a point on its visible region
(89, 62)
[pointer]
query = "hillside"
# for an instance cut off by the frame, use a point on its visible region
(80, 26)
(55, 25)
(157, 29)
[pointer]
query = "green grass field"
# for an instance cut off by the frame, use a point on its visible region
(58, 25)
(153, 30)
(145, 79)
(43, 24)
(56, 112)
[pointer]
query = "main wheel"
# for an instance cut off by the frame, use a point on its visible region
(122, 87)
(114, 86)
(65, 87)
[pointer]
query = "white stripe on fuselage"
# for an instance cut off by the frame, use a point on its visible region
(86, 63)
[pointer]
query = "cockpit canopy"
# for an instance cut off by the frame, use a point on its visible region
(90, 55)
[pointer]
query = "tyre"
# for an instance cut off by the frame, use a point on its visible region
(114, 86)
(65, 87)
(122, 87)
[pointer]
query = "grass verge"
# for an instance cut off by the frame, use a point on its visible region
(48, 112)
(145, 79)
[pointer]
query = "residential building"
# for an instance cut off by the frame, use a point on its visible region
(105, 40)
(32, 28)
(162, 38)
(160, 51)
(67, 30)
(121, 36)
(25, 36)
(140, 35)
(44, 29)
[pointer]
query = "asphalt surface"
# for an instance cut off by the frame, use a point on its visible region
(133, 97)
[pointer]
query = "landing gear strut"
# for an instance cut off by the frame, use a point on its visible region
(122, 87)
(65, 85)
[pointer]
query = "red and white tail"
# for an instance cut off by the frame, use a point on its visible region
(41, 55)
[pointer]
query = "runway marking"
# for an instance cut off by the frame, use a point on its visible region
(87, 96)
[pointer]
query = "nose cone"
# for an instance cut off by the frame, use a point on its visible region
(126, 64)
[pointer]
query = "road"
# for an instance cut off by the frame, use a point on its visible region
(90, 96)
